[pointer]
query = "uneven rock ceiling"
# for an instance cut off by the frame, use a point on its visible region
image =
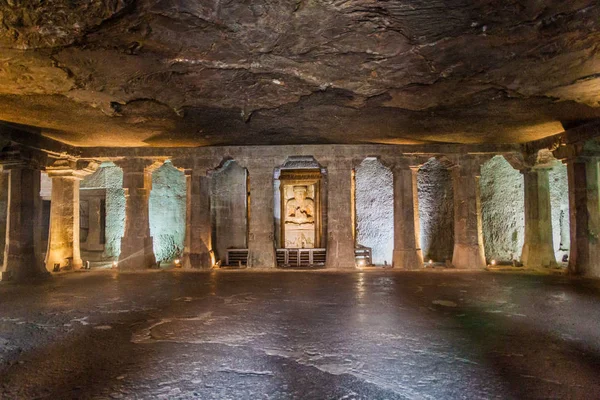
(220, 72)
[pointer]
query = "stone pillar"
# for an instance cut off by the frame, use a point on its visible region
(538, 247)
(63, 241)
(261, 226)
(407, 246)
(3, 211)
(198, 241)
(584, 204)
(468, 231)
(340, 238)
(20, 259)
(136, 244)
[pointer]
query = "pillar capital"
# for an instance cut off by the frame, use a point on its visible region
(16, 157)
(67, 167)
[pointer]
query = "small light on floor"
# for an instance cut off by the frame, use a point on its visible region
(114, 264)
(493, 262)
(431, 263)
(177, 262)
(361, 263)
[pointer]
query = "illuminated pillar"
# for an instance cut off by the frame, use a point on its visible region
(340, 238)
(584, 204)
(468, 232)
(63, 239)
(538, 247)
(23, 206)
(136, 244)
(407, 246)
(261, 227)
(197, 243)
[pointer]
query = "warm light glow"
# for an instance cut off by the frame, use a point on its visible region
(177, 262)
(361, 263)
(493, 262)
(114, 264)
(430, 262)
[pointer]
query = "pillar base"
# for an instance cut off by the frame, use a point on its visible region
(340, 260)
(468, 257)
(408, 259)
(196, 261)
(137, 256)
(538, 256)
(261, 259)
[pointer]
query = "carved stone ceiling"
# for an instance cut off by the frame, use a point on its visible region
(210, 72)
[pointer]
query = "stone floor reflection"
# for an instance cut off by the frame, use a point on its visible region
(310, 335)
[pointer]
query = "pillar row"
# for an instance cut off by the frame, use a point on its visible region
(584, 203)
(340, 238)
(468, 228)
(261, 229)
(198, 241)
(407, 246)
(538, 246)
(136, 244)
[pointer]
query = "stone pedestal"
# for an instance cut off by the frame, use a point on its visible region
(63, 240)
(20, 260)
(538, 247)
(261, 227)
(468, 231)
(584, 204)
(407, 247)
(136, 244)
(340, 238)
(197, 243)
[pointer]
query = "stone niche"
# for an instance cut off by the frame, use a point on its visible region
(229, 208)
(167, 212)
(559, 203)
(300, 191)
(436, 211)
(374, 209)
(503, 210)
(106, 183)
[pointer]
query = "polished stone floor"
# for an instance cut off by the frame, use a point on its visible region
(302, 335)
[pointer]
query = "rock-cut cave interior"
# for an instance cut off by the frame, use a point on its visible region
(299, 199)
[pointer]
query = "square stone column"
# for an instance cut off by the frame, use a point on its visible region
(469, 252)
(21, 261)
(407, 243)
(538, 247)
(137, 250)
(3, 211)
(261, 225)
(198, 241)
(63, 240)
(340, 238)
(584, 204)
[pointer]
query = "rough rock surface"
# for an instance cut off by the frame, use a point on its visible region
(436, 211)
(167, 212)
(559, 201)
(374, 197)
(229, 208)
(179, 72)
(503, 210)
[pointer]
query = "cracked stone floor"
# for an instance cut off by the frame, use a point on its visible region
(305, 335)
